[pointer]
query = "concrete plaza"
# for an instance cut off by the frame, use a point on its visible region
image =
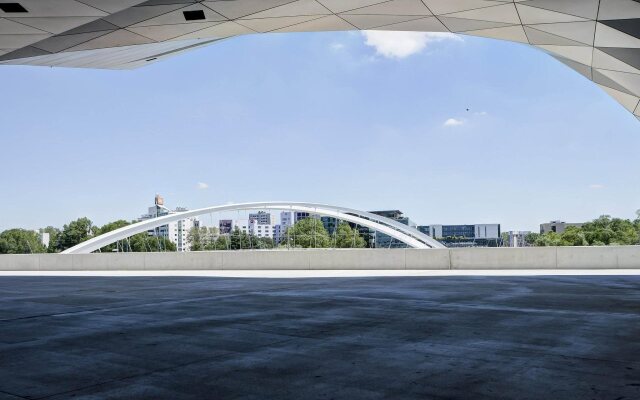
(455, 337)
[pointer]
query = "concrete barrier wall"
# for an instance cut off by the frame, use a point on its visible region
(435, 259)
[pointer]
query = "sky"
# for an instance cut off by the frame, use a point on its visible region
(448, 129)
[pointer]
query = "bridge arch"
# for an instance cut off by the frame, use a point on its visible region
(406, 234)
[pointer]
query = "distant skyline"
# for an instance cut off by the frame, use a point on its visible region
(449, 129)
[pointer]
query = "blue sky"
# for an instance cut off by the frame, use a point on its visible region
(337, 118)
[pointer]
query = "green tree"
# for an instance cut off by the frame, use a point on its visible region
(531, 238)
(238, 240)
(143, 243)
(573, 236)
(75, 232)
(308, 233)
(203, 238)
(54, 235)
(20, 241)
(504, 236)
(611, 231)
(263, 243)
(549, 239)
(347, 237)
(112, 226)
(195, 238)
(602, 231)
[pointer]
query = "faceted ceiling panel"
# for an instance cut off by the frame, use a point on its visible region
(600, 39)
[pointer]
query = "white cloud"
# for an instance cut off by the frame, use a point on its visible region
(453, 122)
(596, 186)
(337, 46)
(481, 113)
(403, 44)
(202, 185)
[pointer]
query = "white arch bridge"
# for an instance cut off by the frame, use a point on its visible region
(406, 234)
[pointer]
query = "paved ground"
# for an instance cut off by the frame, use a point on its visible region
(322, 338)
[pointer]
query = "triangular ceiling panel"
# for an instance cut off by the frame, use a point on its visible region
(272, 24)
(223, 30)
(580, 8)
(618, 9)
(538, 37)
(375, 21)
(243, 8)
(630, 81)
(609, 37)
(629, 26)
(511, 33)
(603, 60)
(582, 69)
(582, 32)
(582, 55)
(626, 100)
(119, 38)
(604, 80)
(340, 6)
(505, 13)
(534, 15)
(322, 24)
(462, 25)
(132, 33)
(629, 56)
(394, 7)
(427, 24)
(447, 6)
(297, 8)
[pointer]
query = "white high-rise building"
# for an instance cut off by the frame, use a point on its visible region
(253, 228)
(286, 219)
(278, 233)
(177, 232)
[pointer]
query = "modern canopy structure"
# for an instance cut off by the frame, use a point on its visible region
(600, 39)
(406, 234)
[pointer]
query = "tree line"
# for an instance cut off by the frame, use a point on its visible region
(602, 231)
(23, 241)
(306, 233)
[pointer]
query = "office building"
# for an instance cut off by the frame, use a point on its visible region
(251, 227)
(558, 226)
(261, 217)
(476, 235)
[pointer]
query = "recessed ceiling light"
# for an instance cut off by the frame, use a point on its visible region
(12, 8)
(194, 15)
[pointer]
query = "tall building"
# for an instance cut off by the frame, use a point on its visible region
(251, 227)
(177, 232)
(558, 226)
(261, 217)
(286, 219)
(278, 234)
